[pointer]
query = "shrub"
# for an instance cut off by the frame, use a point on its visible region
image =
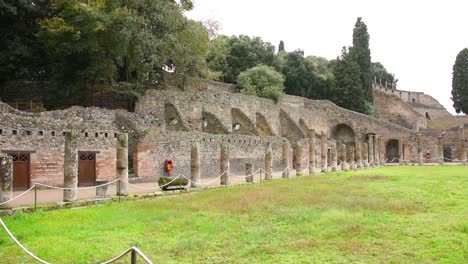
(262, 81)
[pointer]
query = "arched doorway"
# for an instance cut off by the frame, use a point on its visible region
(392, 151)
(343, 134)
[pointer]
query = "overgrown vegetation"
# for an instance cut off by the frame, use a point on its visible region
(262, 81)
(387, 215)
(73, 49)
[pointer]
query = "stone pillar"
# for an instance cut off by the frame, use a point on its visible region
(461, 137)
(224, 164)
(268, 162)
(381, 151)
(400, 152)
(352, 161)
(286, 152)
(6, 179)
(420, 152)
(358, 155)
(195, 165)
(323, 152)
(370, 139)
(334, 158)
(344, 163)
(249, 170)
(122, 163)
(365, 155)
(70, 166)
(299, 161)
(440, 149)
(376, 150)
(312, 152)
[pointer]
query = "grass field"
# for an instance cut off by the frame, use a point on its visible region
(387, 215)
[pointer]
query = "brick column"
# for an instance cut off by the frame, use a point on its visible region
(420, 152)
(376, 150)
(299, 162)
(323, 152)
(344, 163)
(400, 152)
(440, 149)
(334, 158)
(286, 152)
(249, 170)
(122, 163)
(365, 155)
(370, 139)
(224, 164)
(312, 152)
(195, 165)
(6, 179)
(70, 166)
(268, 162)
(352, 160)
(358, 155)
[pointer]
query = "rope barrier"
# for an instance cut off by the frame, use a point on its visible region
(11, 200)
(77, 188)
(242, 176)
(20, 245)
(135, 249)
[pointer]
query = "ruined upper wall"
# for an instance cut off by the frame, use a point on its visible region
(218, 112)
(424, 104)
(392, 109)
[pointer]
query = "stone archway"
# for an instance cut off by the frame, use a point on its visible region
(392, 151)
(343, 134)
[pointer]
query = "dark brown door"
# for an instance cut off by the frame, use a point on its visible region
(86, 169)
(21, 177)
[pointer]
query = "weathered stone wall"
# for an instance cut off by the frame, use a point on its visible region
(155, 147)
(393, 109)
(424, 104)
(42, 135)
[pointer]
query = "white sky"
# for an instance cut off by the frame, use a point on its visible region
(416, 40)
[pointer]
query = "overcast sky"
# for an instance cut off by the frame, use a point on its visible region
(414, 39)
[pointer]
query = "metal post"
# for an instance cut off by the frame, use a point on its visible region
(134, 257)
(180, 185)
(35, 197)
(260, 176)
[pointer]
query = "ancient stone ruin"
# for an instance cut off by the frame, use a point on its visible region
(208, 128)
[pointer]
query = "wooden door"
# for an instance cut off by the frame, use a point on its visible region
(86, 169)
(21, 177)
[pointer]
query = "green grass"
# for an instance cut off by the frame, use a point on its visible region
(388, 215)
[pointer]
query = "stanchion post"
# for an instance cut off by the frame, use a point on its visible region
(134, 257)
(35, 197)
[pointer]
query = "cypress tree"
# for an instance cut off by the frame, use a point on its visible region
(460, 82)
(348, 92)
(361, 54)
(281, 46)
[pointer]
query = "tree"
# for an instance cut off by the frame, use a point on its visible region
(262, 81)
(382, 75)
(460, 82)
(233, 55)
(348, 92)
(361, 54)
(281, 46)
(22, 56)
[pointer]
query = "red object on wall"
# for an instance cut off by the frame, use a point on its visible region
(168, 167)
(428, 155)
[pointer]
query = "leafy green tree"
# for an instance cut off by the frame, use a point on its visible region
(262, 81)
(233, 55)
(460, 82)
(381, 74)
(361, 54)
(348, 92)
(302, 77)
(22, 56)
(281, 46)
